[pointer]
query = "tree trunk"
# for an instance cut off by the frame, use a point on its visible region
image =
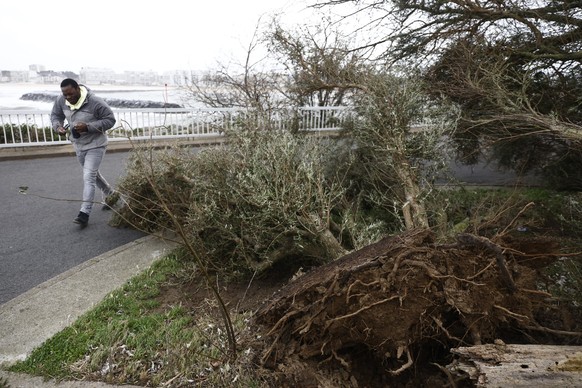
(413, 211)
(501, 365)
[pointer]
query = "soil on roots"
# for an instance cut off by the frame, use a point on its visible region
(388, 315)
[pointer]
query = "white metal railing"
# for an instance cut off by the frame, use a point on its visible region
(19, 128)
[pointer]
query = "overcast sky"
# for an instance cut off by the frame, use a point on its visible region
(132, 34)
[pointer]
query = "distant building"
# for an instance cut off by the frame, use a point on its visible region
(54, 77)
(180, 77)
(4, 76)
(96, 76)
(14, 76)
(146, 78)
(36, 68)
(37, 73)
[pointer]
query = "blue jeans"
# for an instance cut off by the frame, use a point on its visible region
(90, 160)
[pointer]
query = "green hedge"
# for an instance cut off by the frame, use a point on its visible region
(25, 133)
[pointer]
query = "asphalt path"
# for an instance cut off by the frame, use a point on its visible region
(38, 239)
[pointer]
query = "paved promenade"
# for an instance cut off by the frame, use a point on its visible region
(34, 316)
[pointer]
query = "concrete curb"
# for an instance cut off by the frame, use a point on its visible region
(48, 151)
(19, 380)
(33, 317)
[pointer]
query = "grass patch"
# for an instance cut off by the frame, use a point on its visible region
(122, 315)
(132, 338)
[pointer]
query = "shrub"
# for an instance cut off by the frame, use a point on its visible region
(25, 133)
(264, 198)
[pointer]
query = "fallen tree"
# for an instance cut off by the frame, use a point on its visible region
(390, 312)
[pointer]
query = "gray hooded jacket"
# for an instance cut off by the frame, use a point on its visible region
(94, 111)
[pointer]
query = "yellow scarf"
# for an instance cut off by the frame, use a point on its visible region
(80, 101)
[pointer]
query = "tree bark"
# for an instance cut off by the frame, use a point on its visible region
(501, 365)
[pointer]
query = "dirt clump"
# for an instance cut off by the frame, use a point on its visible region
(388, 314)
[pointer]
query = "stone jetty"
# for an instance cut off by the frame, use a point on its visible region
(113, 102)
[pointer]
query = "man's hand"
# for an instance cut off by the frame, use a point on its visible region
(61, 131)
(80, 127)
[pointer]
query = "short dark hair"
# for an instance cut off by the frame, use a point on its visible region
(69, 82)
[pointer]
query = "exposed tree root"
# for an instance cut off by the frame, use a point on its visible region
(397, 297)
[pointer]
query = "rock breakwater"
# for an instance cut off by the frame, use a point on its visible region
(113, 102)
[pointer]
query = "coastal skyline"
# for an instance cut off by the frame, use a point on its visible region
(134, 36)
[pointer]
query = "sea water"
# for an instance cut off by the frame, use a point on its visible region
(10, 94)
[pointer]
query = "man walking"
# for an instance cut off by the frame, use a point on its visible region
(88, 117)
